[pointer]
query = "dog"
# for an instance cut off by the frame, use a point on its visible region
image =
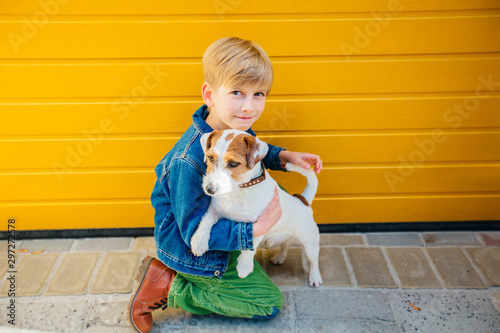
(241, 189)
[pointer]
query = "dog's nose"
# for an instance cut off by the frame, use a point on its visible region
(210, 190)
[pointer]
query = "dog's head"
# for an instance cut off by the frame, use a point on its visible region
(231, 155)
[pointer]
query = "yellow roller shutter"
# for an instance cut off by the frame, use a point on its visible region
(400, 98)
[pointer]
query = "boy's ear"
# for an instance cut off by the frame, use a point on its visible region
(257, 150)
(207, 94)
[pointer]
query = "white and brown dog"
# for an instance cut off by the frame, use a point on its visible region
(241, 189)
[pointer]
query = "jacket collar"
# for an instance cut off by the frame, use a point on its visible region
(199, 120)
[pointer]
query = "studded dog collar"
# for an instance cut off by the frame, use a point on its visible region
(257, 180)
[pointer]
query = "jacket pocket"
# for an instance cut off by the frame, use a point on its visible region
(162, 224)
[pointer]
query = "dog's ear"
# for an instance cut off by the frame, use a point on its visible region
(257, 150)
(206, 142)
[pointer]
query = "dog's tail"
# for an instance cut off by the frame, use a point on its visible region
(312, 181)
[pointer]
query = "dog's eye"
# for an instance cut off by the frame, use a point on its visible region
(211, 159)
(233, 164)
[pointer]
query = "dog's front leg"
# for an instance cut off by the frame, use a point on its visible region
(199, 241)
(245, 259)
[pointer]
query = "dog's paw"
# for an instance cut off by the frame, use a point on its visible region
(279, 258)
(199, 249)
(199, 244)
(315, 280)
(244, 268)
(315, 284)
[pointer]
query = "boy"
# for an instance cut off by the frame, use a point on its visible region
(238, 77)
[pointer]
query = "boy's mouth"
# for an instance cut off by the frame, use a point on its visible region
(244, 118)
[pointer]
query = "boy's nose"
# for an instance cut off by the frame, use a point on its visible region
(248, 106)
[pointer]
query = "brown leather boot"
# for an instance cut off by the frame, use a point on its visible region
(155, 280)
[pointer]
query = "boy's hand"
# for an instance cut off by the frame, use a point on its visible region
(304, 160)
(269, 216)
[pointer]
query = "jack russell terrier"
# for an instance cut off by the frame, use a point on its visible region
(241, 189)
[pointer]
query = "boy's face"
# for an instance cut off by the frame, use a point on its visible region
(234, 107)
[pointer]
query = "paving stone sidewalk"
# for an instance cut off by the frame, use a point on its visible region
(376, 282)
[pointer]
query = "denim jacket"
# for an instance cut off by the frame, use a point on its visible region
(180, 203)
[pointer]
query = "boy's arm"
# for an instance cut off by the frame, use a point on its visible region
(189, 204)
(272, 160)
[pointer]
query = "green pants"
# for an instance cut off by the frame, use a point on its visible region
(255, 296)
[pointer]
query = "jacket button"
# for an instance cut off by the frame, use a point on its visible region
(216, 273)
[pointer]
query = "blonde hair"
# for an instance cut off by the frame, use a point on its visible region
(233, 61)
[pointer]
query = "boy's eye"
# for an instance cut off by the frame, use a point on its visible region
(260, 94)
(236, 92)
(233, 164)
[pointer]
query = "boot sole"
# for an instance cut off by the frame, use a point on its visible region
(140, 277)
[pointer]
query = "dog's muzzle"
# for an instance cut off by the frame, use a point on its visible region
(218, 182)
(210, 190)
